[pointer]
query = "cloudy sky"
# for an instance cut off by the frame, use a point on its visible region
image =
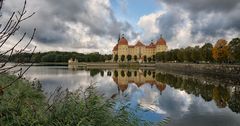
(94, 25)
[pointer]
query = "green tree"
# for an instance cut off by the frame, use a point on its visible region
(234, 50)
(36, 58)
(50, 57)
(187, 54)
(180, 55)
(160, 56)
(206, 52)
(196, 55)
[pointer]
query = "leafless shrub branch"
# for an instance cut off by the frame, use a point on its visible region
(8, 30)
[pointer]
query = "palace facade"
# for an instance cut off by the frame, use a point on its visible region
(122, 52)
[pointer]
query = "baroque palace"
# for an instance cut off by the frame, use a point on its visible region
(122, 52)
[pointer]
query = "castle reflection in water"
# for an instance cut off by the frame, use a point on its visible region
(222, 94)
(123, 77)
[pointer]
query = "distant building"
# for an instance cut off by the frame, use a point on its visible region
(122, 52)
(72, 62)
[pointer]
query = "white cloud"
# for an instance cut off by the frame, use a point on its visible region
(149, 24)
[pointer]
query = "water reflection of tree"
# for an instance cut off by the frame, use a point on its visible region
(234, 102)
(94, 72)
(220, 94)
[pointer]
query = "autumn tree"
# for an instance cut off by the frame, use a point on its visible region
(220, 51)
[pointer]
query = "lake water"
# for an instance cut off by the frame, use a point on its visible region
(157, 95)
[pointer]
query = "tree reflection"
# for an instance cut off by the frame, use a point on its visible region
(94, 72)
(220, 94)
(234, 102)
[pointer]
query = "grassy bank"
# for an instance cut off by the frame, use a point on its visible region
(24, 104)
(21, 104)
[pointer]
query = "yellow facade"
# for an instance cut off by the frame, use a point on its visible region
(138, 52)
(123, 77)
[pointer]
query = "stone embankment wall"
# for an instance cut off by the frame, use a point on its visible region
(208, 69)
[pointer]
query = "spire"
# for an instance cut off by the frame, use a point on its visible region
(119, 37)
(160, 35)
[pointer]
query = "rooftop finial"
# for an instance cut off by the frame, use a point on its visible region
(161, 36)
(119, 37)
(122, 35)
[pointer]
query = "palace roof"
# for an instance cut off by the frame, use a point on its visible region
(123, 41)
(161, 41)
(115, 48)
(151, 45)
(139, 44)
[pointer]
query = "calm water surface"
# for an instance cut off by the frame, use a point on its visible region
(157, 95)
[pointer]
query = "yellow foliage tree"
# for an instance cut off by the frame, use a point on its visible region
(220, 51)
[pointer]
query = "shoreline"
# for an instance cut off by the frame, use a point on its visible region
(225, 70)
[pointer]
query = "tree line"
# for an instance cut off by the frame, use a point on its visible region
(221, 52)
(56, 56)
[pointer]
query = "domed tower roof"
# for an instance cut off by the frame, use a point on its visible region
(123, 41)
(161, 41)
(161, 87)
(115, 48)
